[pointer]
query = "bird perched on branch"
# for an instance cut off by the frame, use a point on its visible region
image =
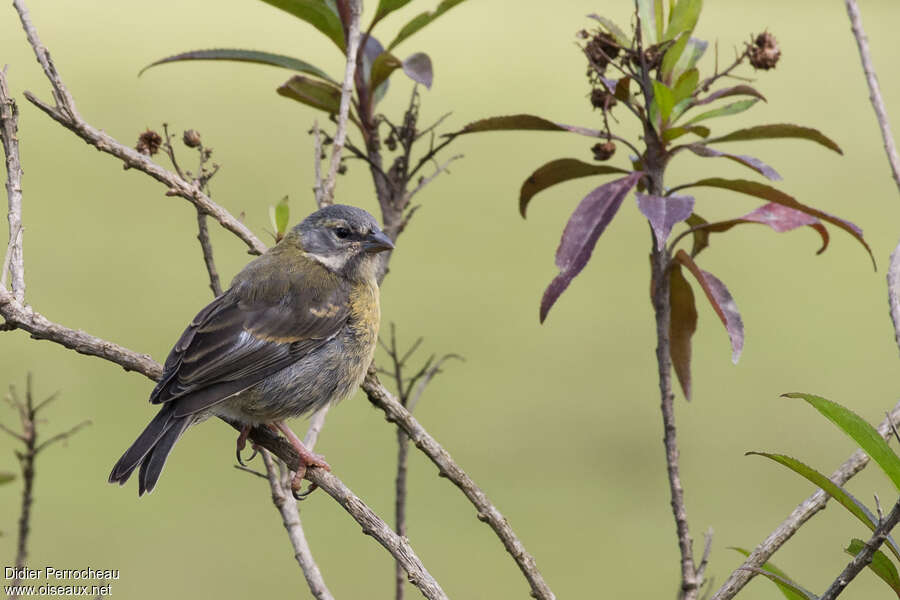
(296, 330)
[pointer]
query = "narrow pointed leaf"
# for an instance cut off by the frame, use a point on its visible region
(881, 565)
(771, 568)
(659, 18)
(584, 228)
(748, 161)
(788, 588)
(722, 302)
(282, 216)
(700, 236)
(766, 192)
(418, 68)
(686, 84)
(239, 55)
(421, 20)
(646, 14)
(731, 109)
(663, 99)
(316, 13)
(318, 94)
(780, 218)
(558, 171)
(674, 133)
(842, 496)
(692, 53)
(386, 7)
(738, 90)
(664, 212)
(778, 131)
(684, 18)
(860, 431)
(523, 122)
(614, 30)
(682, 325)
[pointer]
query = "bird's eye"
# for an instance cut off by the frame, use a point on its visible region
(342, 232)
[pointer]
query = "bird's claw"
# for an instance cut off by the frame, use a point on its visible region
(252, 456)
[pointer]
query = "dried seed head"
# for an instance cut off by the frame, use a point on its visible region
(148, 143)
(764, 53)
(191, 138)
(391, 142)
(603, 151)
(601, 49)
(652, 57)
(601, 98)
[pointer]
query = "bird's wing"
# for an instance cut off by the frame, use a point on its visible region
(248, 333)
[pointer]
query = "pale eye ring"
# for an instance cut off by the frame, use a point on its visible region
(342, 232)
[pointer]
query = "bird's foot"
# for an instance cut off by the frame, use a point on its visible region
(307, 459)
(242, 443)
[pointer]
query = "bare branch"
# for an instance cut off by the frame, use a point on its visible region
(287, 506)
(67, 115)
(423, 181)
(13, 261)
(862, 560)
(317, 165)
(59, 437)
(337, 148)
(206, 246)
(800, 515)
(487, 512)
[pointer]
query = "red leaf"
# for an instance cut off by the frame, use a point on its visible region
(664, 212)
(721, 301)
(682, 325)
(557, 171)
(587, 222)
(778, 217)
(523, 122)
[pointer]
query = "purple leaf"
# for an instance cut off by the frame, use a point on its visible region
(664, 212)
(766, 192)
(557, 171)
(748, 161)
(523, 122)
(682, 325)
(418, 68)
(587, 222)
(780, 218)
(779, 130)
(738, 90)
(721, 301)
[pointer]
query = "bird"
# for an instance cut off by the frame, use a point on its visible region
(295, 331)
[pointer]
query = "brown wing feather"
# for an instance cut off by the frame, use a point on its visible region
(268, 319)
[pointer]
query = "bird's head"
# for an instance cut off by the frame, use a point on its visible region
(344, 239)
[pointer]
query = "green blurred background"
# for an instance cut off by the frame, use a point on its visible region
(558, 423)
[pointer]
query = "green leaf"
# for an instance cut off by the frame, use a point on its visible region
(843, 497)
(646, 13)
(859, 431)
(613, 30)
(386, 7)
(318, 14)
(558, 171)
(684, 18)
(766, 192)
(670, 59)
(676, 132)
(688, 59)
(659, 18)
(730, 109)
(788, 588)
(779, 130)
(685, 86)
(238, 55)
(318, 94)
(6, 477)
(881, 565)
(282, 216)
(421, 20)
(663, 99)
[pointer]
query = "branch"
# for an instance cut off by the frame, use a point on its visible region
(862, 560)
(487, 512)
(203, 237)
(805, 511)
(13, 262)
(346, 98)
(65, 113)
(423, 181)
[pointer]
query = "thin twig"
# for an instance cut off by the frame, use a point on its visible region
(66, 114)
(862, 560)
(800, 515)
(423, 181)
(13, 261)
(337, 148)
(487, 512)
(317, 165)
(203, 237)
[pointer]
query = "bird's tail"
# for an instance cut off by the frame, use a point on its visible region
(150, 449)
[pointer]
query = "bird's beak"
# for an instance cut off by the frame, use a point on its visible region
(377, 241)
